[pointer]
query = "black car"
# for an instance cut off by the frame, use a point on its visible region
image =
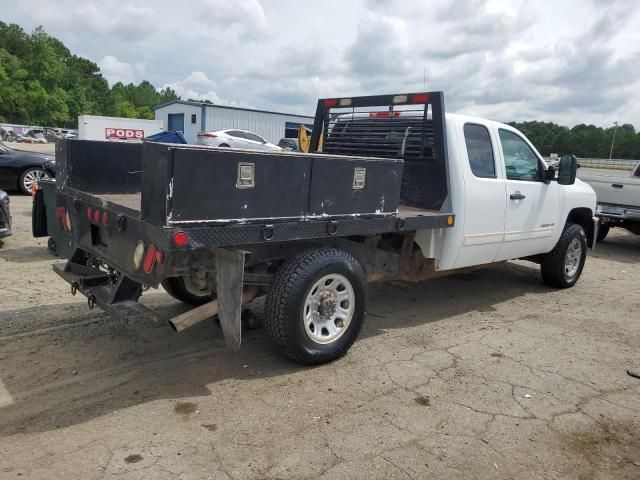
(5, 215)
(19, 170)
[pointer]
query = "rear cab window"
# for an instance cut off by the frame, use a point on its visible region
(520, 161)
(479, 150)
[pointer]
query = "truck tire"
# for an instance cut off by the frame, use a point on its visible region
(562, 266)
(603, 230)
(316, 305)
(175, 286)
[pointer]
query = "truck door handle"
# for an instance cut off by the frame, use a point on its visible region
(517, 196)
(616, 185)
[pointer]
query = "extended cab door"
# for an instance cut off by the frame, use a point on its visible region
(532, 205)
(485, 195)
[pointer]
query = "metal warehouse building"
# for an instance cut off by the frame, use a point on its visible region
(193, 117)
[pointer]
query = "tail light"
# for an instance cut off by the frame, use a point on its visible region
(180, 239)
(65, 218)
(96, 215)
(105, 218)
(386, 114)
(149, 259)
(89, 213)
(420, 98)
(207, 135)
(138, 253)
(330, 102)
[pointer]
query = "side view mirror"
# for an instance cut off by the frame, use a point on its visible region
(567, 168)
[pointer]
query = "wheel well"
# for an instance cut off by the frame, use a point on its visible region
(584, 218)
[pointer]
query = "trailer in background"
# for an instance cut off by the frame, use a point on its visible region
(94, 127)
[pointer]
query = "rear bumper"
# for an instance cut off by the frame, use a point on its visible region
(116, 296)
(619, 212)
(5, 232)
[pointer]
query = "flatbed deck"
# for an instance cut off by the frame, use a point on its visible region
(132, 203)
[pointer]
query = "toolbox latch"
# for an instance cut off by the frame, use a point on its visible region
(359, 175)
(246, 175)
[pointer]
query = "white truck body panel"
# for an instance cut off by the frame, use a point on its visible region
(490, 225)
(94, 127)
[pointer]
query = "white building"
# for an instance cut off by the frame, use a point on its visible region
(193, 117)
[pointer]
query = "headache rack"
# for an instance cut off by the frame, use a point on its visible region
(407, 126)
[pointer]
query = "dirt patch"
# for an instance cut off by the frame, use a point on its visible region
(135, 458)
(609, 446)
(424, 401)
(185, 408)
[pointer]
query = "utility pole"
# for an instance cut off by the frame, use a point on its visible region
(613, 139)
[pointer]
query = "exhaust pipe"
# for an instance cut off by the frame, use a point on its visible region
(208, 310)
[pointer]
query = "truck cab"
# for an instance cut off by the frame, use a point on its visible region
(506, 198)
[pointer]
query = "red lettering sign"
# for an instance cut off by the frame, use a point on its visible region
(123, 134)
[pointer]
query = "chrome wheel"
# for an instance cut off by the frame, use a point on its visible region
(33, 176)
(329, 308)
(573, 258)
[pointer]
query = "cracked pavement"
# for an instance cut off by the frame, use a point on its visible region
(489, 374)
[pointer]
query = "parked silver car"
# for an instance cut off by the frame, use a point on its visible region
(235, 138)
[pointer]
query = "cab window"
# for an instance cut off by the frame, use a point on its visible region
(479, 150)
(520, 161)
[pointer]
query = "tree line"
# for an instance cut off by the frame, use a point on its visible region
(582, 140)
(43, 83)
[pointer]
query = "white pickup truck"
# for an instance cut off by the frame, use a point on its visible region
(393, 188)
(618, 197)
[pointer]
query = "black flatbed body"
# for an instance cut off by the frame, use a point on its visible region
(117, 196)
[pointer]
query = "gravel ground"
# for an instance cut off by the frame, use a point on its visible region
(484, 375)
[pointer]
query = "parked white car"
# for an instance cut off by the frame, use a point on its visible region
(235, 138)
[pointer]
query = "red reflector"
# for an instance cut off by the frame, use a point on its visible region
(149, 259)
(420, 98)
(89, 213)
(104, 218)
(384, 114)
(59, 212)
(159, 256)
(96, 216)
(330, 102)
(180, 239)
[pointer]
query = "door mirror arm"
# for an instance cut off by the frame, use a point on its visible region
(549, 174)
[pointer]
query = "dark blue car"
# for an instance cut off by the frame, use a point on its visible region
(19, 170)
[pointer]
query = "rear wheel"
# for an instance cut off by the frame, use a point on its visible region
(316, 305)
(30, 177)
(563, 265)
(603, 230)
(184, 291)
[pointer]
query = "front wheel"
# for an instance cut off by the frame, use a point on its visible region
(183, 290)
(316, 305)
(30, 177)
(562, 266)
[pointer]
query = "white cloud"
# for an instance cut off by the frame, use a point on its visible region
(570, 61)
(116, 71)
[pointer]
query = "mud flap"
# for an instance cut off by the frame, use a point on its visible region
(229, 276)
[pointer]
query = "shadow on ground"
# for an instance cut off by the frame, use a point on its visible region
(26, 254)
(62, 364)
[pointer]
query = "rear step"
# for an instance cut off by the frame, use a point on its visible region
(119, 298)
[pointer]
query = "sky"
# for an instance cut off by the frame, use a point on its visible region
(567, 61)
